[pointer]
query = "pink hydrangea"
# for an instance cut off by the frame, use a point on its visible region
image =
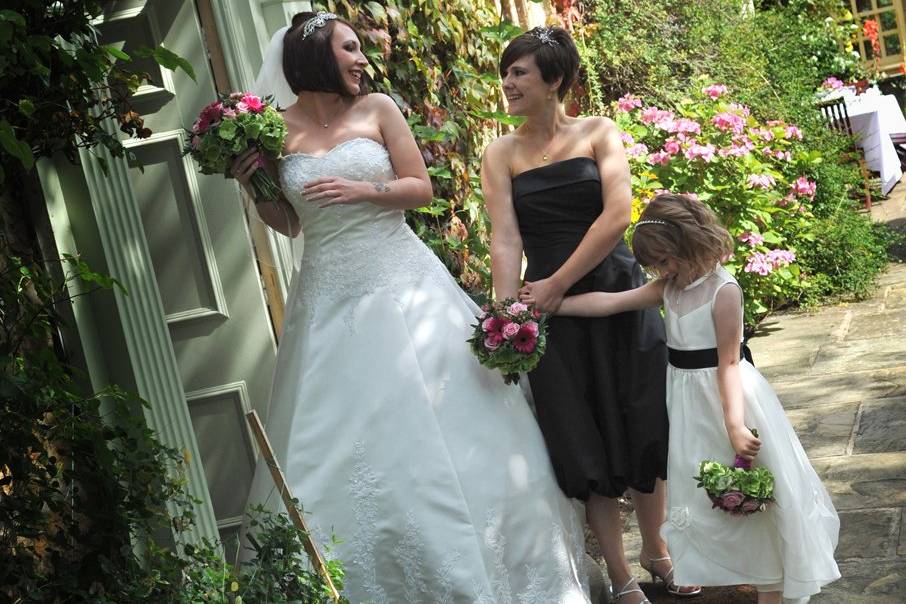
(653, 115)
(741, 109)
(783, 155)
(733, 151)
(517, 307)
(793, 132)
(764, 133)
(628, 102)
(659, 158)
(743, 140)
(787, 200)
(804, 187)
(780, 258)
(627, 139)
(728, 121)
(832, 83)
(672, 146)
(714, 91)
(759, 263)
(761, 181)
(254, 103)
(510, 330)
(753, 239)
(705, 152)
(637, 150)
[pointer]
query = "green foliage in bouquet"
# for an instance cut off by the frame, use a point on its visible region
(717, 478)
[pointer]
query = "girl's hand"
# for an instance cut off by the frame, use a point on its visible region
(744, 442)
(544, 294)
(333, 190)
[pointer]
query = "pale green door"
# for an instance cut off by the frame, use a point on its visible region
(201, 254)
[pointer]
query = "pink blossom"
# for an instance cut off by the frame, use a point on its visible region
(517, 307)
(742, 109)
(732, 500)
(525, 341)
(789, 199)
(653, 114)
(659, 158)
(832, 83)
(705, 152)
(196, 142)
(784, 155)
(763, 133)
(760, 264)
(761, 181)
(536, 313)
(241, 107)
(773, 123)
(493, 341)
(743, 140)
(491, 325)
(637, 150)
(531, 327)
(750, 505)
(682, 126)
(733, 151)
(627, 138)
(628, 102)
(672, 146)
(729, 121)
(510, 330)
(753, 239)
(714, 90)
(229, 113)
(793, 132)
(780, 258)
(253, 102)
(804, 187)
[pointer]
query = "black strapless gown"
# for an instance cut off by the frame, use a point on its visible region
(600, 389)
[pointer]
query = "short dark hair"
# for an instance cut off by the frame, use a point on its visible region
(310, 64)
(560, 59)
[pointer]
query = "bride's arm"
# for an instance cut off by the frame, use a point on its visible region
(506, 241)
(279, 215)
(607, 229)
(412, 187)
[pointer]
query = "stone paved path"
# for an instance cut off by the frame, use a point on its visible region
(841, 373)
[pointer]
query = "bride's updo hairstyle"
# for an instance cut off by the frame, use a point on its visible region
(554, 51)
(309, 64)
(681, 227)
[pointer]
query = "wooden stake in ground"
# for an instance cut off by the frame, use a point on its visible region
(295, 515)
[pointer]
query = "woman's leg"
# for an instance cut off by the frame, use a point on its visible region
(603, 515)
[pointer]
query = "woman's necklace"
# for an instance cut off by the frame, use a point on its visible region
(326, 124)
(545, 152)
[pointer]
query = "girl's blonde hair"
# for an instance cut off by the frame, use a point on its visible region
(681, 227)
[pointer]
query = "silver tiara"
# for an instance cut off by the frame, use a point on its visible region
(653, 221)
(316, 22)
(545, 35)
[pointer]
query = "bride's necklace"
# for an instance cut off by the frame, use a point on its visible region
(325, 124)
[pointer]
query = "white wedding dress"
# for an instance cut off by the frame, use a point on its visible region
(428, 468)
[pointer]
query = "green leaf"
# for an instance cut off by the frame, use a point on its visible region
(172, 61)
(113, 51)
(26, 107)
(12, 145)
(11, 16)
(377, 11)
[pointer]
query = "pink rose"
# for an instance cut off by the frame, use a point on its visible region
(750, 506)
(510, 330)
(730, 501)
(253, 103)
(229, 113)
(493, 341)
(517, 307)
(241, 107)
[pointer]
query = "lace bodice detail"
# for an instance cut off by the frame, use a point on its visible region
(688, 318)
(355, 249)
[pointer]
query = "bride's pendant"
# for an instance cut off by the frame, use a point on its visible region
(325, 125)
(545, 157)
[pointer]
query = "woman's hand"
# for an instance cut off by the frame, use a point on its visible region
(247, 163)
(544, 294)
(333, 190)
(744, 442)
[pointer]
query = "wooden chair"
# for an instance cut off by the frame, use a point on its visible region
(834, 111)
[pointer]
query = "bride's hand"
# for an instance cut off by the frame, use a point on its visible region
(247, 163)
(546, 296)
(333, 190)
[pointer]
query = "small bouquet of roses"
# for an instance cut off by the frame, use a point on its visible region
(229, 126)
(509, 336)
(739, 489)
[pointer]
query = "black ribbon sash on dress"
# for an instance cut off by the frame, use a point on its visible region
(703, 358)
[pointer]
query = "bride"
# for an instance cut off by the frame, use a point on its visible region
(428, 468)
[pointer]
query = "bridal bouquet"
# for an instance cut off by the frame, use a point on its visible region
(229, 126)
(738, 489)
(509, 336)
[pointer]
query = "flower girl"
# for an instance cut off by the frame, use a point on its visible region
(714, 397)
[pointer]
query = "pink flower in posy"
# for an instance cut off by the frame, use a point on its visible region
(491, 325)
(672, 146)
(229, 113)
(750, 506)
(729, 121)
(509, 330)
(527, 338)
(751, 238)
(628, 102)
(705, 152)
(659, 158)
(761, 181)
(780, 258)
(804, 187)
(793, 132)
(759, 263)
(714, 90)
(637, 150)
(493, 341)
(517, 307)
(730, 501)
(196, 142)
(627, 138)
(254, 103)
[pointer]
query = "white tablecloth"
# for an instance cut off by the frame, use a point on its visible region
(874, 118)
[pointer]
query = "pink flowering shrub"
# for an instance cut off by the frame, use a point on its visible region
(753, 174)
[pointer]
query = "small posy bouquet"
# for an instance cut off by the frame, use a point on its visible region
(509, 336)
(229, 126)
(739, 489)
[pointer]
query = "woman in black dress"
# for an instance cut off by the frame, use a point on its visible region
(558, 189)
